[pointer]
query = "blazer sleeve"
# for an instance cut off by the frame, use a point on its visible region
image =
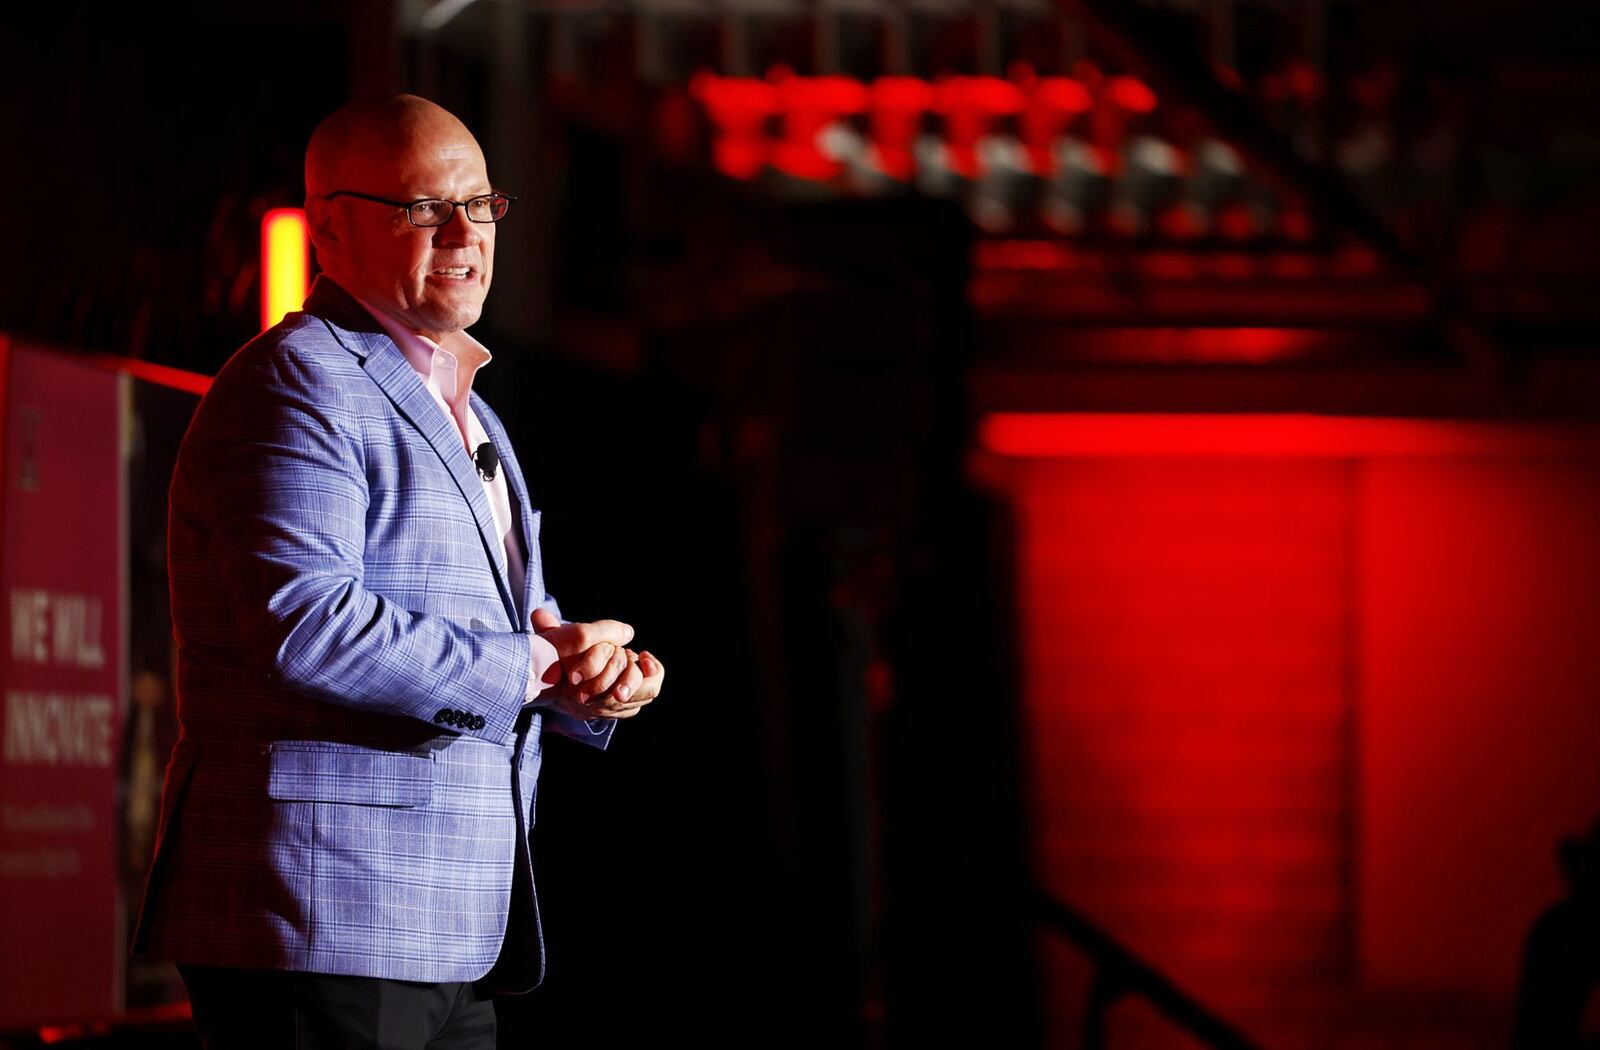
(274, 463)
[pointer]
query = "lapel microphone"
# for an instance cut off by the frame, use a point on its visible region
(487, 460)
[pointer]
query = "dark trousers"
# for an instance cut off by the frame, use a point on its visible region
(238, 1009)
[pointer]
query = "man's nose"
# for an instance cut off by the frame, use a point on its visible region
(457, 230)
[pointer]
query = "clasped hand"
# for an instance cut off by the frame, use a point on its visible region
(597, 675)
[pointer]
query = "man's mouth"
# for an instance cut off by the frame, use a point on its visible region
(455, 273)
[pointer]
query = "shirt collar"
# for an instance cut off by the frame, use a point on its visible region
(447, 367)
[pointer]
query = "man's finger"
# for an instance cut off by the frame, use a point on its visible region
(626, 687)
(628, 684)
(599, 683)
(582, 712)
(655, 672)
(589, 663)
(543, 619)
(614, 631)
(612, 708)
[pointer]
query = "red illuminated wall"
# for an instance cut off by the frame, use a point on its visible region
(1480, 690)
(1309, 700)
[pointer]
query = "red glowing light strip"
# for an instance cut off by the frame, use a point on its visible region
(150, 372)
(285, 263)
(1092, 434)
(140, 1016)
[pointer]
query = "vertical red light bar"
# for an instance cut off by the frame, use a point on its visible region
(285, 263)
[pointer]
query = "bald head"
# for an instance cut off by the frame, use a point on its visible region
(401, 149)
(361, 134)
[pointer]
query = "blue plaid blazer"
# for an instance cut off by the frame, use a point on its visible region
(354, 781)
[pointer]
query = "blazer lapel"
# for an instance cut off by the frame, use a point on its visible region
(394, 375)
(527, 517)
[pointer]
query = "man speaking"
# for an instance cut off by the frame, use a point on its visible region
(367, 658)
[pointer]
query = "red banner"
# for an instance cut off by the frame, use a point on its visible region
(61, 584)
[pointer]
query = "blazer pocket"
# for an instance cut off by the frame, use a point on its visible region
(312, 771)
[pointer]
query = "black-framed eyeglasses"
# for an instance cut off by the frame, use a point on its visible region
(436, 211)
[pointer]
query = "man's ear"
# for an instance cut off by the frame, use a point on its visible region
(323, 229)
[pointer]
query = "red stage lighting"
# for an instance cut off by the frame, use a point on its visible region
(1131, 94)
(738, 107)
(809, 105)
